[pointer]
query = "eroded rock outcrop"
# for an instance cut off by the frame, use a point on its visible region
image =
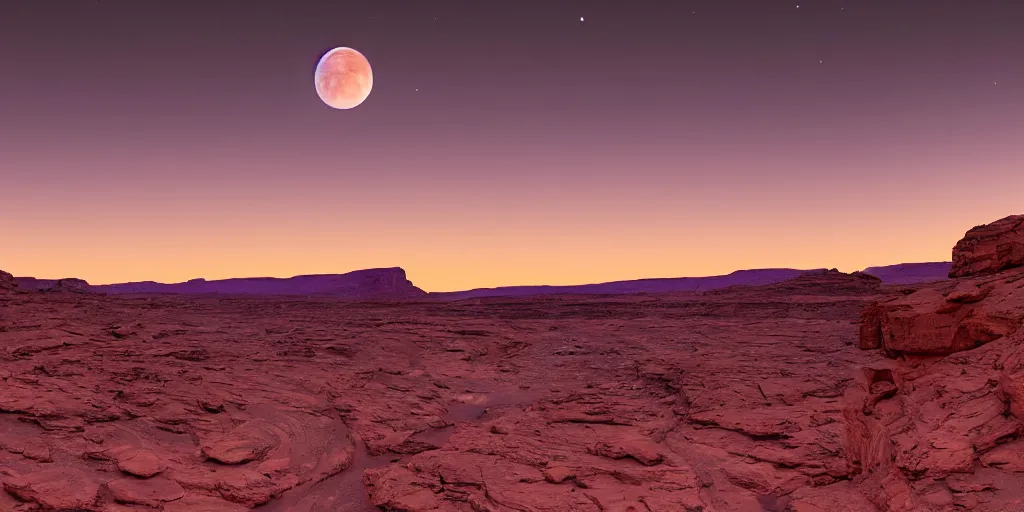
(7, 282)
(990, 248)
(946, 317)
(943, 433)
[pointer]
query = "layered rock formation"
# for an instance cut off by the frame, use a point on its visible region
(952, 316)
(941, 320)
(379, 283)
(943, 433)
(990, 248)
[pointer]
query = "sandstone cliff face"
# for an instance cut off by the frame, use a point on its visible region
(990, 248)
(946, 317)
(943, 433)
(379, 283)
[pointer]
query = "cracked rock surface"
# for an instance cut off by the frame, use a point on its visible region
(745, 399)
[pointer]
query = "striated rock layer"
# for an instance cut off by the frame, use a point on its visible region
(990, 248)
(947, 317)
(942, 433)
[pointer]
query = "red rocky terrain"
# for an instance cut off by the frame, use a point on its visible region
(757, 398)
(727, 401)
(941, 423)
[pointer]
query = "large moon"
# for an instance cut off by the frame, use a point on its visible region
(343, 78)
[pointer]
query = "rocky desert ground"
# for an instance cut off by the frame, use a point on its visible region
(827, 392)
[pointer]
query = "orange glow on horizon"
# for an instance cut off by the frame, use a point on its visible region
(455, 252)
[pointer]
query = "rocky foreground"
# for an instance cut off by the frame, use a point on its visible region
(732, 401)
(941, 426)
(772, 398)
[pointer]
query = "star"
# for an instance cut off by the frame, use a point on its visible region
(581, 19)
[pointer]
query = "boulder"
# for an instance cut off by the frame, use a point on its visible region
(990, 248)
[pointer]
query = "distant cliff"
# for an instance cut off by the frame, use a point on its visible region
(754, 277)
(69, 284)
(377, 283)
(910, 273)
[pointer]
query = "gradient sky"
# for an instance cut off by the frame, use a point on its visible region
(178, 139)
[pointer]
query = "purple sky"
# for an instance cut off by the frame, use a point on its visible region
(172, 140)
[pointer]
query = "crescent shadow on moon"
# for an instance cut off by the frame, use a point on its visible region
(343, 78)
